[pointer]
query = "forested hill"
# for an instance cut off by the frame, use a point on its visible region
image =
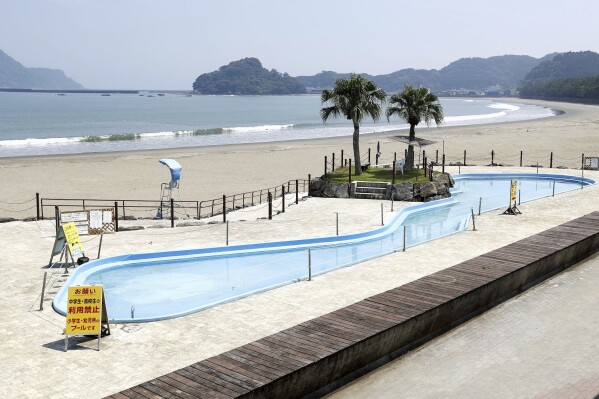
(466, 73)
(13, 75)
(247, 76)
(567, 65)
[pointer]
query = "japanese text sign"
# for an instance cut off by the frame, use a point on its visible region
(84, 310)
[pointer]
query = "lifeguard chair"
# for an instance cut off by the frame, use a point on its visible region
(166, 189)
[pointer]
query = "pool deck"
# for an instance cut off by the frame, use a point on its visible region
(31, 348)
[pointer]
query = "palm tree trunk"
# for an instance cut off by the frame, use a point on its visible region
(356, 140)
(410, 159)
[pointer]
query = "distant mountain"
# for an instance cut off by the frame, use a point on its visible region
(247, 76)
(14, 75)
(567, 65)
(466, 73)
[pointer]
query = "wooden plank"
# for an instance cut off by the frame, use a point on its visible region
(172, 391)
(323, 339)
(118, 395)
(225, 375)
(254, 364)
(188, 373)
(181, 387)
(280, 350)
(223, 366)
(280, 362)
(194, 387)
(145, 392)
(218, 380)
(318, 333)
(239, 368)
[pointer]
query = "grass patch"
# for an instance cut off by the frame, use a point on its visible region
(340, 175)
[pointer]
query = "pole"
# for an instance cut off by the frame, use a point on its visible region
(100, 245)
(116, 216)
(296, 191)
(309, 183)
(480, 204)
(368, 154)
(227, 234)
(269, 206)
(349, 187)
(437, 157)
(56, 218)
(337, 222)
(37, 205)
(473, 222)
(553, 193)
(520, 158)
(333, 166)
(224, 208)
(43, 289)
(551, 160)
(464, 157)
(443, 166)
(518, 199)
(582, 172)
(382, 218)
(172, 213)
(404, 238)
(537, 167)
(342, 159)
(325, 165)
(309, 265)
(492, 157)
(283, 198)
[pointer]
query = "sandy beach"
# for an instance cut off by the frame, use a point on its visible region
(31, 349)
(210, 172)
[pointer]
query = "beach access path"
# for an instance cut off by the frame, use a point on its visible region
(31, 349)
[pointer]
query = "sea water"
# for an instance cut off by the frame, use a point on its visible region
(47, 123)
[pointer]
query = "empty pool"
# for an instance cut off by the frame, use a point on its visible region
(164, 285)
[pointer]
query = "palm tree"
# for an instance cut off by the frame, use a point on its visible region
(414, 106)
(354, 98)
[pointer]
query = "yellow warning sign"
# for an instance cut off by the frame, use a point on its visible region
(514, 190)
(84, 310)
(72, 236)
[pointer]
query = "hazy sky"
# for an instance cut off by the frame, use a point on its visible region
(166, 44)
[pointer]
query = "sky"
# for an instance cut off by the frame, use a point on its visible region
(166, 44)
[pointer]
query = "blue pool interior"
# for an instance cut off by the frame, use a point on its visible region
(164, 285)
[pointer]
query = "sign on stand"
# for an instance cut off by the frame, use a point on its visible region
(92, 221)
(86, 313)
(67, 244)
(513, 209)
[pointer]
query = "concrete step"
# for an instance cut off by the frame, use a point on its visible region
(369, 196)
(374, 190)
(371, 184)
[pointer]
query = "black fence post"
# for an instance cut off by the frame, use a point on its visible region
(116, 216)
(520, 158)
(492, 157)
(269, 206)
(57, 218)
(368, 154)
(437, 157)
(172, 213)
(333, 166)
(551, 160)
(325, 165)
(443, 166)
(224, 208)
(464, 157)
(283, 198)
(349, 186)
(37, 205)
(394, 166)
(342, 159)
(296, 191)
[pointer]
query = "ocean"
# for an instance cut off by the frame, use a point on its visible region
(47, 123)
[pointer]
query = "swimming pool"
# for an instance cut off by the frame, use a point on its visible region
(162, 285)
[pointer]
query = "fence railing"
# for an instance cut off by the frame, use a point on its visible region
(125, 208)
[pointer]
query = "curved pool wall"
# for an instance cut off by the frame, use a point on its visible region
(163, 285)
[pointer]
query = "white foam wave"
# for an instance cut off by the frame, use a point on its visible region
(247, 129)
(39, 142)
(507, 107)
(164, 134)
(474, 117)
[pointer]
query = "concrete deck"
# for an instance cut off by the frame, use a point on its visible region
(31, 348)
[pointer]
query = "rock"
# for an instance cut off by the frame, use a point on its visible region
(30, 219)
(402, 192)
(6, 220)
(130, 218)
(214, 222)
(442, 189)
(444, 178)
(157, 226)
(323, 188)
(426, 189)
(130, 228)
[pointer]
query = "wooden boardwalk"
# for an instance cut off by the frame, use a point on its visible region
(319, 355)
